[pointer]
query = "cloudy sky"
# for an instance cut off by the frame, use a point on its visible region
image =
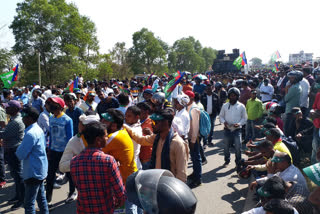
(257, 27)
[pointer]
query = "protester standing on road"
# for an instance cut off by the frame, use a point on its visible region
(211, 103)
(233, 115)
(32, 152)
(254, 111)
(61, 131)
(194, 141)
(106, 190)
(12, 136)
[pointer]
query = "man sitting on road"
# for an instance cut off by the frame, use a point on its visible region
(281, 165)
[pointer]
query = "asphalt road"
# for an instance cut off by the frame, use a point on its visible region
(221, 192)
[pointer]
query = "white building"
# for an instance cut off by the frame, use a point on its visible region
(300, 57)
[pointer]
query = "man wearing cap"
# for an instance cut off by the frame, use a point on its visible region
(37, 101)
(281, 165)
(78, 94)
(119, 144)
(266, 91)
(313, 173)
(194, 141)
(303, 130)
(169, 149)
(89, 102)
(147, 95)
(121, 147)
(12, 136)
(276, 188)
(274, 135)
(292, 99)
(32, 151)
(77, 143)
(61, 131)
(73, 111)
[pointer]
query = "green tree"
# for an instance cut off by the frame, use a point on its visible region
(6, 60)
(256, 61)
(186, 55)
(209, 55)
(147, 53)
(105, 67)
(65, 39)
(119, 57)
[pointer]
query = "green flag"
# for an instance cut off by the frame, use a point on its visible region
(169, 84)
(238, 62)
(7, 79)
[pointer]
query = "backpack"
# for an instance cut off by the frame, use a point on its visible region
(204, 122)
(293, 148)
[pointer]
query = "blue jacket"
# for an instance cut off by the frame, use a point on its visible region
(61, 130)
(32, 152)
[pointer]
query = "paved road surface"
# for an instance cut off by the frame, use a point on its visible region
(221, 192)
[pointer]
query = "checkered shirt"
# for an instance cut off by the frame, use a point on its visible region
(97, 178)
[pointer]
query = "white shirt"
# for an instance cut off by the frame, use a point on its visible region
(181, 122)
(107, 91)
(291, 173)
(209, 104)
(136, 147)
(233, 114)
(304, 98)
(80, 80)
(267, 89)
(260, 210)
(280, 81)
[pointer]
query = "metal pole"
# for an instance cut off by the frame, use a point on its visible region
(39, 69)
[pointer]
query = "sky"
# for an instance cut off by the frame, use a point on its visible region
(257, 27)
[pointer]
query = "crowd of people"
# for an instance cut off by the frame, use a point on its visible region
(97, 136)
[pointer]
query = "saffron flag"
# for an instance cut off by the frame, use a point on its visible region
(10, 78)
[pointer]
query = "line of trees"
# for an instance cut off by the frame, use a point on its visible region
(68, 44)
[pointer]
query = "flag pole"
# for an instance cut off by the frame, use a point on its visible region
(39, 69)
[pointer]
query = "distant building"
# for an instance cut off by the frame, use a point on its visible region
(224, 62)
(300, 57)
